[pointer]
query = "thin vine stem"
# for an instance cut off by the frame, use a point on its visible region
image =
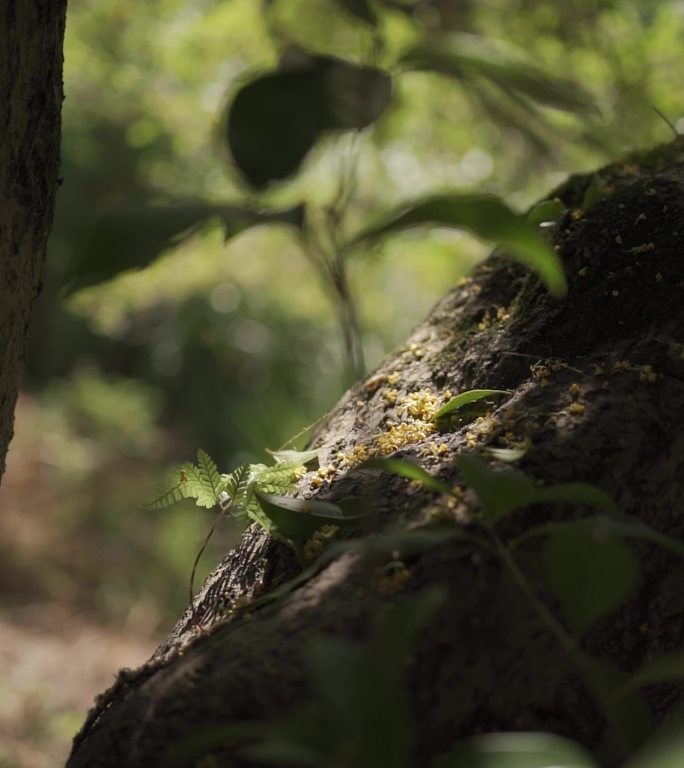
(564, 639)
(223, 508)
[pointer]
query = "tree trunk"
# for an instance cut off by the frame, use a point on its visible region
(597, 395)
(31, 37)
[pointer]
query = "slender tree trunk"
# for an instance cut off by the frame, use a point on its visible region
(31, 38)
(597, 395)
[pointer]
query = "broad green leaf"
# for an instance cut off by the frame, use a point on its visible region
(545, 212)
(629, 717)
(666, 754)
(408, 470)
(299, 519)
(593, 193)
(668, 668)
(517, 750)
(468, 57)
(605, 527)
(133, 237)
(590, 577)
(485, 216)
(360, 688)
(361, 9)
(275, 120)
(464, 398)
(296, 457)
(502, 492)
(498, 492)
(575, 493)
(508, 455)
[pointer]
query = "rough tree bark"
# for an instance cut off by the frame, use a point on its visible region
(597, 385)
(31, 37)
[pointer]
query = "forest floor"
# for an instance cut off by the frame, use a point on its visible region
(59, 647)
(54, 663)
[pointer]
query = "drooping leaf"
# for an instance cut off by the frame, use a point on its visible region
(591, 577)
(468, 57)
(360, 9)
(498, 492)
(502, 492)
(360, 688)
(665, 753)
(603, 527)
(128, 238)
(464, 398)
(667, 668)
(517, 750)
(593, 193)
(548, 211)
(508, 455)
(485, 216)
(275, 120)
(576, 493)
(300, 458)
(299, 519)
(408, 470)
(629, 716)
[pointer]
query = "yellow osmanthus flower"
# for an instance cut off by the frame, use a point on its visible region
(421, 405)
(400, 435)
(391, 578)
(318, 541)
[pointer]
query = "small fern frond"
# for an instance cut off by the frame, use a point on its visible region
(238, 487)
(198, 487)
(209, 473)
(173, 491)
(282, 476)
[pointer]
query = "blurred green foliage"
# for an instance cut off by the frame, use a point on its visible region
(235, 347)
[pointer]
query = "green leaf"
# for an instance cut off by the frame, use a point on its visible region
(275, 120)
(201, 482)
(508, 455)
(575, 493)
(593, 193)
(485, 216)
(464, 398)
(360, 9)
(501, 492)
(602, 526)
(171, 493)
(281, 478)
(467, 57)
(498, 492)
(591, 577)
(299, 519)
(667, 754)
(128, 238)
(299, 458)
(237, 486)
(360, 688)
(517, 750)
(548, 211)
(668, 668)
(629, 716)
(408, 470)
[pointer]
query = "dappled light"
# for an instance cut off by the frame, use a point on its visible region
(260, 200)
